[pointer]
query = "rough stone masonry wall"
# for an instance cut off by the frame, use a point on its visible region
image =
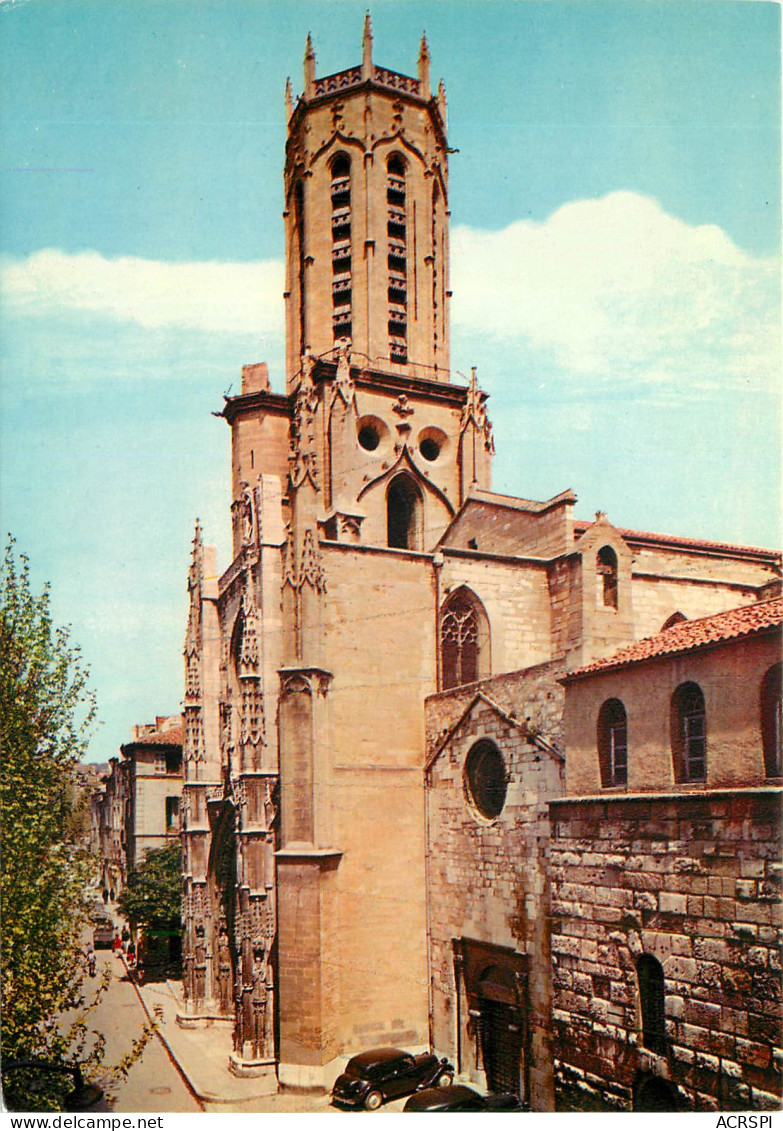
(695, 882)
(488, 881)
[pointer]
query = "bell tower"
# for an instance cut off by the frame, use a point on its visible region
(366, 218)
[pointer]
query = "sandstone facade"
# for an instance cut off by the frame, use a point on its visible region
(373, 569)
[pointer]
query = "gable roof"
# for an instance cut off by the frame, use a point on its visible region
(536, 739)
(690, 635)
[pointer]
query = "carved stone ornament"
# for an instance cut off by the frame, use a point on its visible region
(311, 571)
(475, 414)
(251, 632)
(344, 388)
(253, 731)
(402, 406)
(289, 559)
(245, 512)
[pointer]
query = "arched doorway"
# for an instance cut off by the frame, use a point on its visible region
(495, 980)
(222, 900)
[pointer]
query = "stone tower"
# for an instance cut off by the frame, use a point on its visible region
(309, 659)
(366, 217)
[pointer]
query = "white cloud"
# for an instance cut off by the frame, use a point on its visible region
(231, 298)
(617, 289)
(613, 289)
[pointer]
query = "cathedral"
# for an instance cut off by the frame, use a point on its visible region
(375, 571)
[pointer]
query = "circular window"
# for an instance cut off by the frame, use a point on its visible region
(485, 779)
(369, 438)
(371, 432)
(431, 441)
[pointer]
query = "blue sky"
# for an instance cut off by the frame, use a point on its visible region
(615, 228)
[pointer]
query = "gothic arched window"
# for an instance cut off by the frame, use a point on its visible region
(675, 618)
(653, 1003)
(771, 735)
(613, 743)
(606, 570)
(340, 190)
(404, 514)
(464, 640)
(689, 733)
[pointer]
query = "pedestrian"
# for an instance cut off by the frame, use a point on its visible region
(117, 944)
(131, 953)
(90, 959)
(125, 939)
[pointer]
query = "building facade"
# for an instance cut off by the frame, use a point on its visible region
(138, 808)
(374, 569)
(666, 872)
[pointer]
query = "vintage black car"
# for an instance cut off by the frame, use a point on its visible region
(458, 1097)
(372, 1078)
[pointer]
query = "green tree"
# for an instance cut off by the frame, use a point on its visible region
(46, 713)
(152, 897)
(152, 901)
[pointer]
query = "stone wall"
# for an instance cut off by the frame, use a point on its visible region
(695, 882)
(487, 880)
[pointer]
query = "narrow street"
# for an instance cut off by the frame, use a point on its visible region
(153, 1083)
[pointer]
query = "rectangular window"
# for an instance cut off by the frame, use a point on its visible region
(694, 747)
(618, 753)
(160, 763)
(172, 814)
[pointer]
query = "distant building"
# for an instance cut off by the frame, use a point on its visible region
(153, 760)
(138, 807)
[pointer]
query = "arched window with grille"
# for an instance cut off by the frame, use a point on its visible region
(606, 572)
(404, 509)
(689, 733)
(652, 1001)
(397, 232)
(613, 743)
(340, 190)
(771, 729)
(464, 640)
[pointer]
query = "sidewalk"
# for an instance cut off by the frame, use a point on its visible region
(201, 1055)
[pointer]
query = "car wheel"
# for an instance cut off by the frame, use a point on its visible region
(373, 1100)
(444, 1080)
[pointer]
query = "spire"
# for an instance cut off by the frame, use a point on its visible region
(424, 66)
(367, 47)
(309, 68)
(289, 100)
(442, 101)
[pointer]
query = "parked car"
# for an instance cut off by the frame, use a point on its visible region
(372, 1078)
(458, 1097)
(46, 1085)
(103, 934)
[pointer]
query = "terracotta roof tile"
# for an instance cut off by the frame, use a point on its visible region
(688, 635)
(172, 737)
(581, 525)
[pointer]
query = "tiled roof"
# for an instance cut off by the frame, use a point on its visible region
(171, 737)
(688, 635)
(580, 526)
